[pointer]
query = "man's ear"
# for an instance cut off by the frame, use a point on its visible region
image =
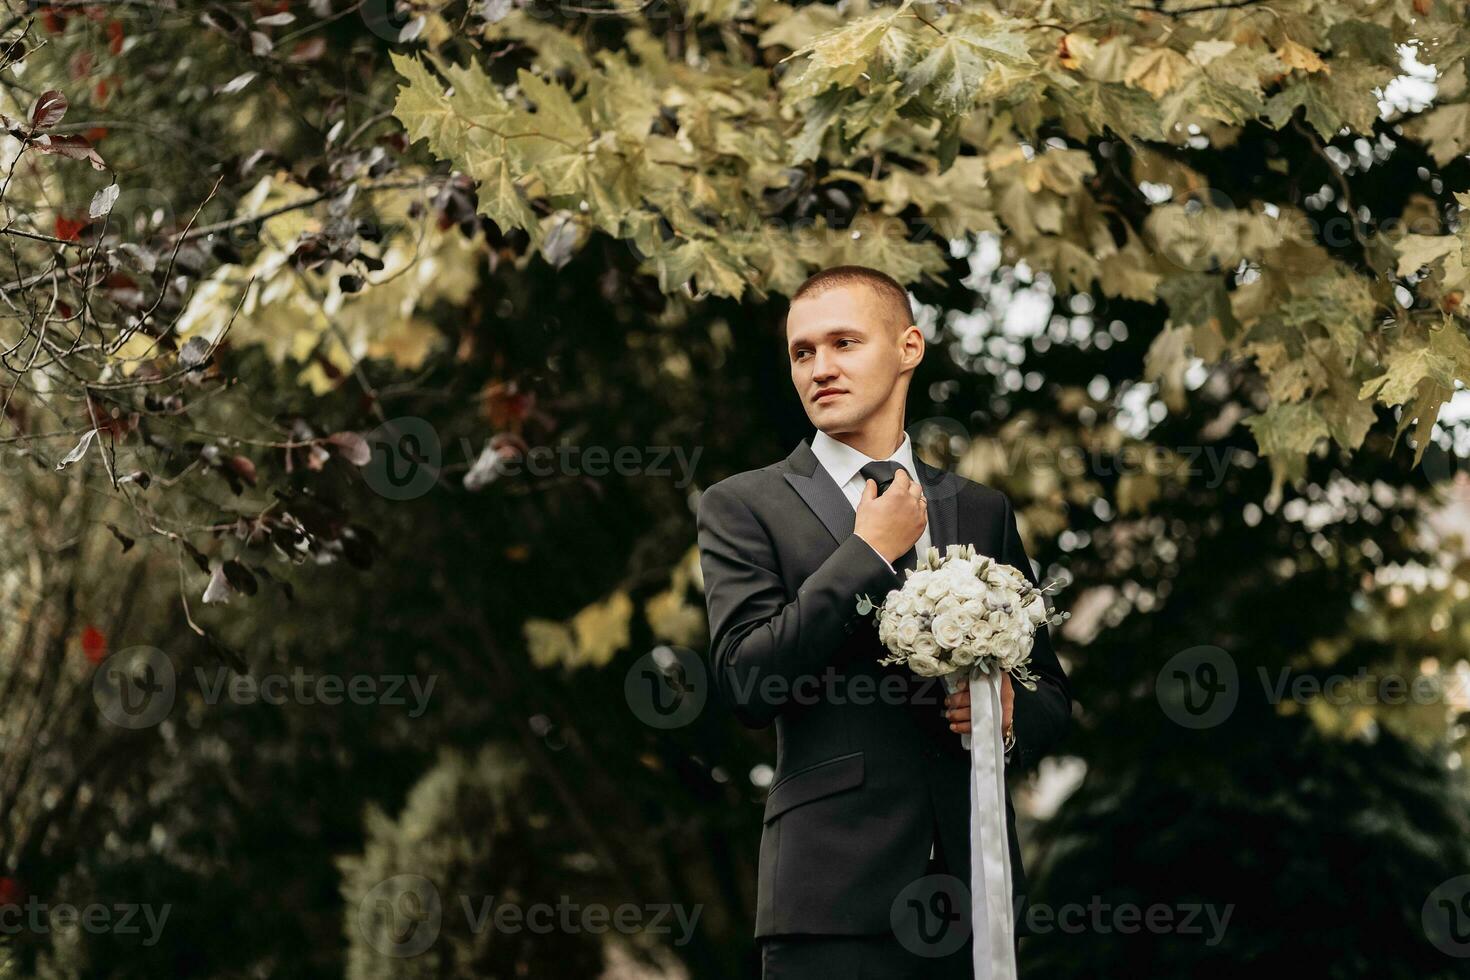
(913, 337)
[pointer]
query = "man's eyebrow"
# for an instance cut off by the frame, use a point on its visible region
(841, 328)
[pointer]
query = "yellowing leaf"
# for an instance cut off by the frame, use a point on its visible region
(1157, 71)
(602, 629)
(1294, 55)
(1416, 251)
(1410, 363)
(1446, 129)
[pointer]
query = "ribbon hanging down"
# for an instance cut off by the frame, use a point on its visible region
(991, 911)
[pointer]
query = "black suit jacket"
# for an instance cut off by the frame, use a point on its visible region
(866, 766)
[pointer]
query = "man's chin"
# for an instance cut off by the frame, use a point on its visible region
(830, 421)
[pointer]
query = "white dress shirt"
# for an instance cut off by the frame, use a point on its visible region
(844, 464)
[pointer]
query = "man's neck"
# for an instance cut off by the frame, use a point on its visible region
(877, 442)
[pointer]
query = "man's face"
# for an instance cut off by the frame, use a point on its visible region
(844, 359)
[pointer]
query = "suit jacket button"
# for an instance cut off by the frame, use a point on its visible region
(849, 626)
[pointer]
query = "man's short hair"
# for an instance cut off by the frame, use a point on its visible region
(893, 299)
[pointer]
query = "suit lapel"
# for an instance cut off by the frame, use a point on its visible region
(826, 499)
(820, 491)
(941, 493)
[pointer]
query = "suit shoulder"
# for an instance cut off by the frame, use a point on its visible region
(743, 485)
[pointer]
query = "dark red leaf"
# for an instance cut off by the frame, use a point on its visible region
(243, 467)
(240, 578)
(68, 230)
(74, 147)
(94, 644)
(352, 447)
(308, 50)
(199, 557)
(11, 892)
(48, 110)
(122, 538)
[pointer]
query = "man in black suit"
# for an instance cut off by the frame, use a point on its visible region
(870, 798)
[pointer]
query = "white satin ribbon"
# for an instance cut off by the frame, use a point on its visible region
(990, 858)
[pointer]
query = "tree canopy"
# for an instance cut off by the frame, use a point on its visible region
(326, 341)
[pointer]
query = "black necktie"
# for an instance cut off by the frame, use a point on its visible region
(882, 472)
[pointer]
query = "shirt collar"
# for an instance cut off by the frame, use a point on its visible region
(843, 462)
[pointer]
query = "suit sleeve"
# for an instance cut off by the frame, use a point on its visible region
(1041, 716)
(760, 644)
(880, 557)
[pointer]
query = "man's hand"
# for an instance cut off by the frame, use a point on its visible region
(892, 522)
(957, 705)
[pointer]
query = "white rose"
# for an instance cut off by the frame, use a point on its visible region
(925, 666)
(927, 646)
(966, 622)
(907, 631)
(1014, 645)
(1002, 648)
(967, 587)
(950, 629)
(1011, 578)
(1036, 610)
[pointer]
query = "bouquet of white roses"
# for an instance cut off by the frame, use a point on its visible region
(962, 613)
(960, 617)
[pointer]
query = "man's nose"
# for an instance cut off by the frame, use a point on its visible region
(824, 368)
